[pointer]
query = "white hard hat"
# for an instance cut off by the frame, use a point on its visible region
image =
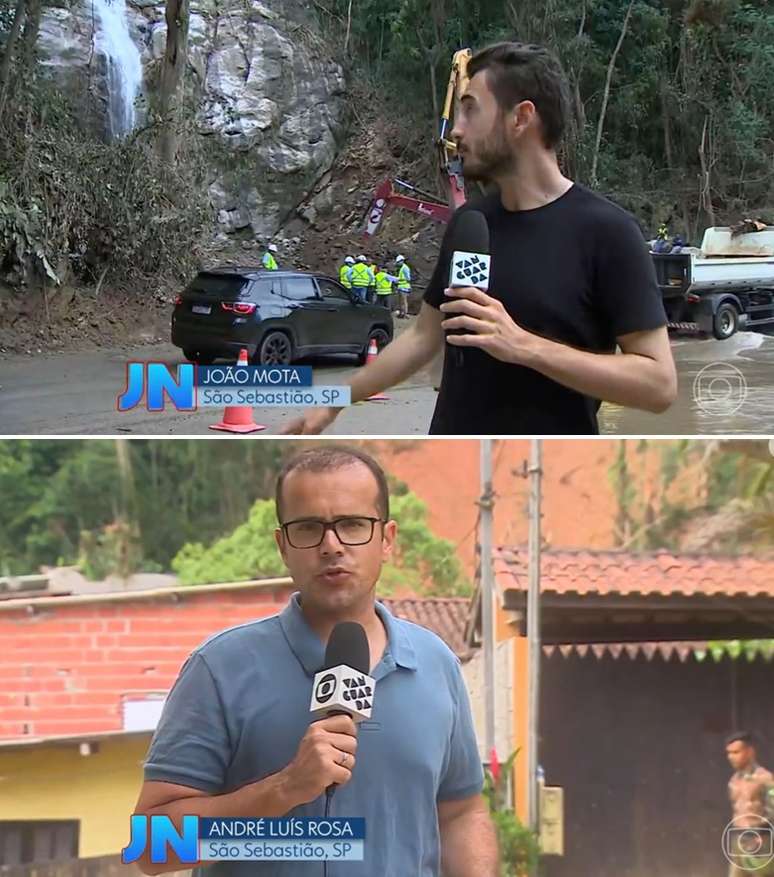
(349, 260)
(400, 258)
(272, 247)
(361, 258)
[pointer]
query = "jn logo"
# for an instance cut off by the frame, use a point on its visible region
(163, 834)
(180, 390)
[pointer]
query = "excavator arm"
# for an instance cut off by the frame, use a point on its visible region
(386, 196)
(449, 161)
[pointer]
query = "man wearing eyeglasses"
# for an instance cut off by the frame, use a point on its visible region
(235, 738)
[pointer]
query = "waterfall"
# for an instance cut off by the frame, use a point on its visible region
(123, 67)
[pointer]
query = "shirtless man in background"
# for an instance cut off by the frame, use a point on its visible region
(751, 792)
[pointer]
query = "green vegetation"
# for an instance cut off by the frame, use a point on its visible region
(204, 509)
(63, 500)
(708, 497)
(75, 210)
(519, 847)
(672, 116)
(713, 497)
(685, 129)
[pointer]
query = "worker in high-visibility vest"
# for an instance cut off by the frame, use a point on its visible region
(268, 261)
(372, 290)
(404, 285)
(661, 244)
(384, 283)
(344, 272)
(361, 277)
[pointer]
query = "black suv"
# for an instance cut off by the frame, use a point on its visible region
(279, 316)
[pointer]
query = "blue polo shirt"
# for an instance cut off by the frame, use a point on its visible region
(239, 709)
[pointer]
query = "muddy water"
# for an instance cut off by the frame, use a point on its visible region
(724, 387)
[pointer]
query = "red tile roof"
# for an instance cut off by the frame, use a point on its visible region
(566, 571)
(445, 616)
(610, 572)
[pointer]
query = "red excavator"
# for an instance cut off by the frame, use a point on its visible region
(449, 162)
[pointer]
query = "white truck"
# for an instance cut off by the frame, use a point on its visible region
(724, 287)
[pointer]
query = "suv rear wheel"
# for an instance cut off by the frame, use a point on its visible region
(275, 349)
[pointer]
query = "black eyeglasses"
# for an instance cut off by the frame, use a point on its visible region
(357, 530)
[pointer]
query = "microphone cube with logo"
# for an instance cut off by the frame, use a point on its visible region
(470, 269)
(342, 689)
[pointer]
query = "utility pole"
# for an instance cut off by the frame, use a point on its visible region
(533, 629)
(486, 505)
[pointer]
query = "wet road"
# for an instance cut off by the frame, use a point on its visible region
(725, 387)
(75, 393)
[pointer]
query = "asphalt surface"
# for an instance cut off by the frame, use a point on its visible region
(726, 387)
(75, 394)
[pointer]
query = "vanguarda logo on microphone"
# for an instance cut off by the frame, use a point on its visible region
(355, 690)
(214, 386)
(344, 689)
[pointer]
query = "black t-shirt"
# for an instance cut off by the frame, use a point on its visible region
(576, 271)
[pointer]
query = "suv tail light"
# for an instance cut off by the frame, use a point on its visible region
(178, 301)
(239, 307)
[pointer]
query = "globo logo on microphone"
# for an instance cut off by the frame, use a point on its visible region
(342, 688)
(323, 690)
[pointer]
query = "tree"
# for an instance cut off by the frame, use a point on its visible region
(8, 51)
(423, 563)
(710, 497)
(169, 492)
(172, 74)
(606, 94)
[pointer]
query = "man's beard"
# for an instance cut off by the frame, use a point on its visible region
(494, 157)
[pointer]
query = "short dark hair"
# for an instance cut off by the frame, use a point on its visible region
(746, 737)
(517, 72)
(328, 459)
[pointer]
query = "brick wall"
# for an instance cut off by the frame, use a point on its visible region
(64, 670)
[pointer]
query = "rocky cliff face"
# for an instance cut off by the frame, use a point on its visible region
(268, 100)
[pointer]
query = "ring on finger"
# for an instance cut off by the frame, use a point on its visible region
(344, 759)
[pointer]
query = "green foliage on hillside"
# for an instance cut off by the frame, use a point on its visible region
(70, 500)
(689, 89)
(205, 509)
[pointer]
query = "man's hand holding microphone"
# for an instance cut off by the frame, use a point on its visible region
(325, 756)
(342, 695)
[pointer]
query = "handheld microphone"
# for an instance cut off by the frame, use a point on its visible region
(343, 686)
(470, 261)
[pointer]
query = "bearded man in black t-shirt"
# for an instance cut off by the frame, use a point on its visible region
(571, 280)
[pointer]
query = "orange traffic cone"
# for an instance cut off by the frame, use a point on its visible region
(238, 418)
(370, 357)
